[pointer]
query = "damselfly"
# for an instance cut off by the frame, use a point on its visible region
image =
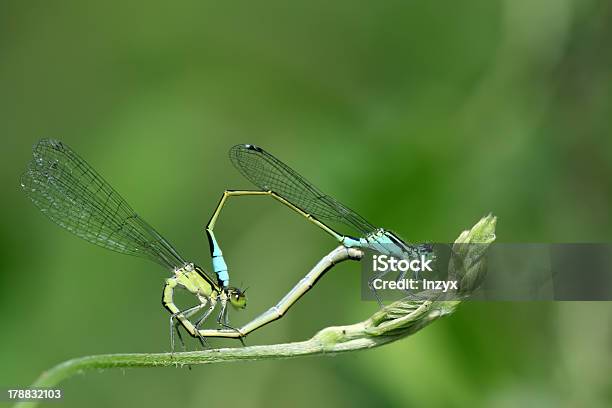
(73, 195)
(277, 180)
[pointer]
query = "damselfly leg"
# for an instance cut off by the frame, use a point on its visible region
(174, 324)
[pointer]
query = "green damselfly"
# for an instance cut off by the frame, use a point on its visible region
(73, 195)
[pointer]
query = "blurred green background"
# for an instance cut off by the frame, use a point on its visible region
(423, 116)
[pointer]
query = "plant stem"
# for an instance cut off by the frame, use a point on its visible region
(398, 320)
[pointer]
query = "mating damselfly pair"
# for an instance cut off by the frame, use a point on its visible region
(73, 195)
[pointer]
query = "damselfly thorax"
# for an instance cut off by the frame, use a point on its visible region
(193, 279)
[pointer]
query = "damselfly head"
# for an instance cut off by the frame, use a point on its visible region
(237, 297)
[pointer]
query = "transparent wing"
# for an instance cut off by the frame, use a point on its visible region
(270, 174)
(74, 196)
